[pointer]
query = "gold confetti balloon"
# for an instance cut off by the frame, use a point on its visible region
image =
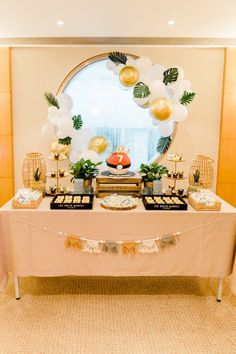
(98, 143)
(128, 76)
(161, 108)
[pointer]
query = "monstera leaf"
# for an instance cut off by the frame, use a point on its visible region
(187, 97)
(77, 122)
(51, 99)
(141, 90)
(65, 141)
(170, 75)
(163, 144)
(117, 57)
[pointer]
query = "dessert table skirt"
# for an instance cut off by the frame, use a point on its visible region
(32, 242)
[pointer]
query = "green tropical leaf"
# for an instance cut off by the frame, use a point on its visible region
(77, 122)
(163, 144)
(51, 99)
(65, 141)
(170, 75)
(187, 97)
(117, 57)
(141, 90)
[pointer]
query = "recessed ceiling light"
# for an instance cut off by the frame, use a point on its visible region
(171, 23)
(60, 23)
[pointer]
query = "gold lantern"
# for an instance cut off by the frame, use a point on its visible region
(32, 162)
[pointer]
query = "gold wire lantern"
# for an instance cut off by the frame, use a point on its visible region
(32, 161)
(204, 165)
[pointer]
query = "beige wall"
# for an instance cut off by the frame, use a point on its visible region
(35, 70)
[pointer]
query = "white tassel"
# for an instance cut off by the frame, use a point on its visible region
(148, 246)
(92, 246)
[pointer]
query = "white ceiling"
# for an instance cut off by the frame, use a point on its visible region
(117, 18)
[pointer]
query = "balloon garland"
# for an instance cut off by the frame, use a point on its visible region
(164, 92)
(62, 126)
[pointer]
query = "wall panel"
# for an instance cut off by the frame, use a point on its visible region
(226, 182)
(6, 135)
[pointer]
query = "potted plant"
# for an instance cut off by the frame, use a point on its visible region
(195, 184)
(37, 184)
(153, 172)
(83, 172)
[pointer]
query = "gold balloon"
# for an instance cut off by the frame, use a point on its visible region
(60, 148)
(98, 143)
(161, 108)
(128, 76)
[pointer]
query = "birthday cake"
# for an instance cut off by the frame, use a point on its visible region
(118, 162)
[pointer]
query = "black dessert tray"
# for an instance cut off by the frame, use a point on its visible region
(72, 201)
(164, 202)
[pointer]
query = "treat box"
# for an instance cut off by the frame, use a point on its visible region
(33, 204)
(164, 206)
(73, 205)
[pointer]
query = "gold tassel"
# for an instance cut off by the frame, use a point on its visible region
(73, 242)
(129, 248)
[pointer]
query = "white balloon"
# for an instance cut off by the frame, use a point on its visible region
(141, 101)
(143, 64)
(119, 68)
(53, 120)
(81, 139)
(156, 72)
(61, 134)
(180, 112)
(176, 90)
(90, 155)
(145, 79)
(64, 113)
(109, 64)
(157, 89)
(65, 126)
(166, 129)
(74, 156)
(48, 131)
(157, 122)
(65, 101)
(131, 62)
(53, 111)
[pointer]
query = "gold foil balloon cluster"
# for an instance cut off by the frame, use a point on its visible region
(165, 92)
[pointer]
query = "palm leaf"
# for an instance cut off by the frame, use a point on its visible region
(117, 57)
(77, 122)
(163, 144)
(187, 97)
(141, 90)
(51, 99)
(65, 141)
(170, 75)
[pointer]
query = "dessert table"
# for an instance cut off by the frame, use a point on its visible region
(32, 242)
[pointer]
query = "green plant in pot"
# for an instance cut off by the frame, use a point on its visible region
(195, 182)
(37, 184)
(83, 172)
(152, 172)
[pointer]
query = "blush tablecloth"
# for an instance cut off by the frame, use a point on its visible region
(31, 243)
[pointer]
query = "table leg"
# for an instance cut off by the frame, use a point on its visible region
(17, 287)
(220, 288)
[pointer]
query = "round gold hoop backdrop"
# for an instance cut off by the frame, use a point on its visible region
(91, 60)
